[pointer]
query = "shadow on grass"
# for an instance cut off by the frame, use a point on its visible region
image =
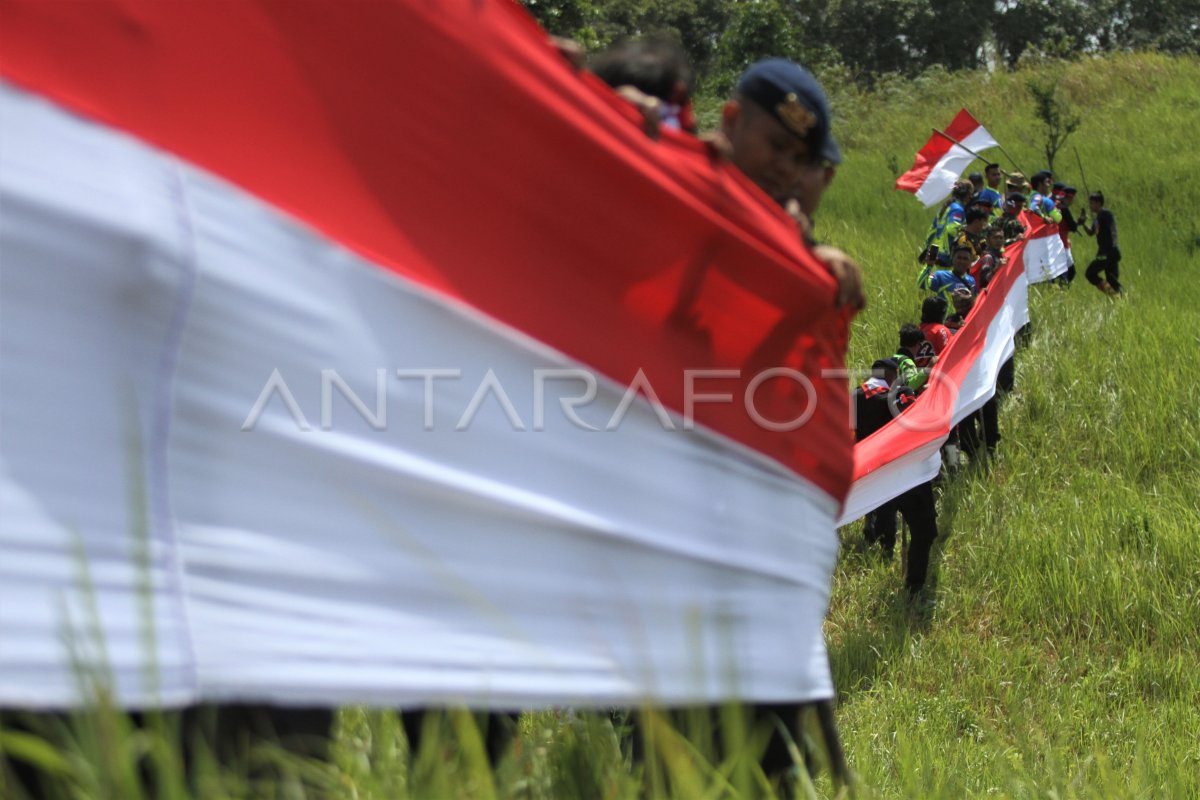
(891, 617)
(859, 656)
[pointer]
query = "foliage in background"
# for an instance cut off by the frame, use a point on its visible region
(1055, 663)
(873, 38)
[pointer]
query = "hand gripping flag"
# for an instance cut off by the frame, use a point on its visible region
(940, 162)
(375, 355)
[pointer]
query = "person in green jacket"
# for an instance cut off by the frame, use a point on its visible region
(946, 225)
(908, 373)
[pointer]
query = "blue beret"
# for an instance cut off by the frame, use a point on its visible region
(789, 93)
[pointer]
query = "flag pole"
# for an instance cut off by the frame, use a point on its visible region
(960, 144)
(1010, 158)
(1002, 150)
(972, 152)
(1082, 174)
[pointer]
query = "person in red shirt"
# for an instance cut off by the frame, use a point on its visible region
(937, 335)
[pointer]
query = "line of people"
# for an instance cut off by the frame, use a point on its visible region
(963, 248)
(955, 225)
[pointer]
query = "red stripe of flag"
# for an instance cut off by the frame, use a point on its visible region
(450, 143)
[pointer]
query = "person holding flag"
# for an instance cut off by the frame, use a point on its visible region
(946, 281)
(1041, 202)
(1010, 218)
(1063, 197)
(935, 174)
(1108, 258)
(775, 129)
(877, 401)
(945, 227)
(970, 235)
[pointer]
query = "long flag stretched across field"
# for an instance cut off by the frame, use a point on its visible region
(907, 451)
(371, 354)
(944, 157)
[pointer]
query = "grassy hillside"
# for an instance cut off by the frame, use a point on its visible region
(1060, 657)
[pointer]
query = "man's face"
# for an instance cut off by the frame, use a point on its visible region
(1066, 200)
(1094, 205)
(815, 178)
(764, 150)
(962, 262)
(1044, 186)
(992, 174)
(995, 240)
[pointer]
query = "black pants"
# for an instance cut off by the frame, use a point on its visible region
(918, 509)
(776, 760)
(1068, 276)
(1007, 375)
(971, 434)
(989, 416)
(1108, 263)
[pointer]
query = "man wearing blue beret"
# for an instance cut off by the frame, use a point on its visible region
(776, 129)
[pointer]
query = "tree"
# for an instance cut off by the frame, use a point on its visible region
(874, 36)
(1040, 28)
(574, 19)
(1057, 116)
(950, 32)
(755, 30)
(697, 24)
(1172, 26)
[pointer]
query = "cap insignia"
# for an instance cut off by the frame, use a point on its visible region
(793, 114)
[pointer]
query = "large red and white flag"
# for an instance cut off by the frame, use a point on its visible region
(944, 157)
(375, 355)
(1047, 252)
(907, 451)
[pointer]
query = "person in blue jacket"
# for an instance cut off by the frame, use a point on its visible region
(945, 281)
(1041, 202)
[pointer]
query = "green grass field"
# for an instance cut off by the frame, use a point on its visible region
(1060, 658)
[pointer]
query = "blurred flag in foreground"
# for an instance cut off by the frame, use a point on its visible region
(381, 357)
